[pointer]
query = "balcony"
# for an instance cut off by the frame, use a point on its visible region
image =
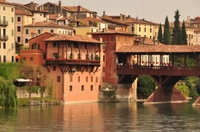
(3, 23)
(3, 37)
(52, 61)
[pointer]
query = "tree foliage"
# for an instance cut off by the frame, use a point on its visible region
(8, 96)
(146, 85)
(160, 37)
(183, 89)
(167, 34)
(184, 35)
(176, 33)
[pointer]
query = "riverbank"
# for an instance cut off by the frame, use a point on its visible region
(39, 101)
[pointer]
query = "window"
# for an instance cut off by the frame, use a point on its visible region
(24, 58)
(18, 29)
(12, 45)
(26, 31)
(4, 45)
(4, 58)
(82, 88)
(71, 78)
(12, 9)
(99, 87)
(39, 31)
(58, 78)
(112, 38)
(12, 32)
(96, 79)
(54, 68)
(31, 59)
(144, 29)
(4, 8)
(79, 78)
(91, 78)
(26, 40)
(18, 19)
(12, 19)
(55, 44)
(91, 88)
(51, 30)
(86, 78)
(12, 58)
(139, 29)
(150, 30)
(104, 58)
(70, 88)
(0, 45)
(18, 39)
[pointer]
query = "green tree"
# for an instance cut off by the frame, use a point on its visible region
(8, 96)
(183, 89)
(146, 85)
(176, 33)
(184, 35)
(167, 35)
(160, 37)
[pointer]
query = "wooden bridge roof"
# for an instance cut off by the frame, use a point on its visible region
(144, 49)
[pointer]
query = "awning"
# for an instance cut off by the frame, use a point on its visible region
(17, 56)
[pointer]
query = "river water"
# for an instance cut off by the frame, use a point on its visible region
(102, 117)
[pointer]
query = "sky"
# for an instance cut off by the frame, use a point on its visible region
(151, 10)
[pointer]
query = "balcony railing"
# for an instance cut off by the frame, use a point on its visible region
(3, 23)
(4, 37)
(58, 61)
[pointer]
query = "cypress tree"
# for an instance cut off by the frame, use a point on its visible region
(167, 35)
(160, 34)
(176, 35)
(184, 35)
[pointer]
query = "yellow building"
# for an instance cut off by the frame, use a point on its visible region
(137, 26)
(7, 42)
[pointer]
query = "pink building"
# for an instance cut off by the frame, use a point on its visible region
(75, 63)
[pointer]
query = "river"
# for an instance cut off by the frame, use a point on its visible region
(102, 117)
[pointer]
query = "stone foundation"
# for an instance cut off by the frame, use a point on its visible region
(197, 102)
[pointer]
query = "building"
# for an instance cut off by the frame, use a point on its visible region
(7, 27)
(75, 63)
(195, 24)
(76, 12)
(137, 26)
(25, 15)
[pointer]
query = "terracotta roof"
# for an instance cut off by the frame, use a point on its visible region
(107, 31)
(75, 9)
(107, 19)
(74, 38)
(86, 21)
(159, 49)
(196, 29)
(42, 34)
(22, 12)
(56, 17)
(48, 24)
(28, 8)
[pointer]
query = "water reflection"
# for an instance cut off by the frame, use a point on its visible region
(101, 117)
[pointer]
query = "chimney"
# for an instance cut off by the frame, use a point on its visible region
(188, 19)
(104, 13)
(60, 7)
(129, 16)
(121, 17)
(79, 8)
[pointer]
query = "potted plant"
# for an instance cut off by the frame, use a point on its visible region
(97, 57)
(71, 56)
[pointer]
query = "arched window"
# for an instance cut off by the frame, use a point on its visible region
(13, 58)
(4, 58)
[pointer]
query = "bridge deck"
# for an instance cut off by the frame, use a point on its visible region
(158, 70)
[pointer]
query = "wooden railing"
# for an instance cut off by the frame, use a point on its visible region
(72, 61)
(158, 70)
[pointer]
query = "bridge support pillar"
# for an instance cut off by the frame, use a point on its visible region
(166, 94)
